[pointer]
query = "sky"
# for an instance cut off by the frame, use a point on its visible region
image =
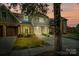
(70, 12)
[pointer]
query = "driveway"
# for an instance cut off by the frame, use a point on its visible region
(6, 44)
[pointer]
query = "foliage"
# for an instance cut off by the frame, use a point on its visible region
(33, 8)
(46, 35)
(28, 43)
(23, 35)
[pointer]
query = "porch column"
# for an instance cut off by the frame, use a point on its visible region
(4, 30)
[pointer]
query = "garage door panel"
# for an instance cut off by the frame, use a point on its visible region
(11, 31)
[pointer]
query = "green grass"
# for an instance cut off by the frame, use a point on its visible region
(30, 42)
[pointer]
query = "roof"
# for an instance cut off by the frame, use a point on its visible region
(2, 6)
(19, 16)
(63, 18)
(26, 22)
(21, 19)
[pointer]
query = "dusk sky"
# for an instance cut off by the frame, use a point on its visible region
(70, 11)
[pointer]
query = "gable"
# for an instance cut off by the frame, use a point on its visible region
(6, 16)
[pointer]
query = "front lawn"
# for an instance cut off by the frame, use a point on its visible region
(29, 42)
(72, 36)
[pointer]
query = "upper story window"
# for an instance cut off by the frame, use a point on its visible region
(37, 19)
(26, 18)
(41, 20)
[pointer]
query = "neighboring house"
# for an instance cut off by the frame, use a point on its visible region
(40, 24)
(63, 25)
(71, 29)
(77, 28)
(8, 22)
(51, 26)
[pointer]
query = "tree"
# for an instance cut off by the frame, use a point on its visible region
(57, 18)
(33, 8)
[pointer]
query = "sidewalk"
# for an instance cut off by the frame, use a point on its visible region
(31, 51)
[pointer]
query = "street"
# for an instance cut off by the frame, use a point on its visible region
(67, 44)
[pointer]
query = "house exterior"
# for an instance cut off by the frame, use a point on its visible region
(8, 22)
(13, 24)
(63, 25)
(51, 26)
(40, 24)
(37, 24)
(77, 28)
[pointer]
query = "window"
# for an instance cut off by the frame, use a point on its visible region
(26, 18)
(41, 20)
(4, 15)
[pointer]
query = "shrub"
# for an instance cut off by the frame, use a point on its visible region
(46, 35)
(20, 35)
(29, 42)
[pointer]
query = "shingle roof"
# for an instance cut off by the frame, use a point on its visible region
(2, 6)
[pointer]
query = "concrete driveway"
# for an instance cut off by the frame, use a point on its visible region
(6, 44)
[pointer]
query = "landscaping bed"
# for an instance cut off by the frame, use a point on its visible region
(29, 42)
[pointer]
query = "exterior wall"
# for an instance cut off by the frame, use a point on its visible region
(45, 30)
(41, 30)
(8, 22)
(25, 29)
(40, 21)
(8, 31)
(64, 26)
(41, 25)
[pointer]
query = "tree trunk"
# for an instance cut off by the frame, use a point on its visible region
(58, 36)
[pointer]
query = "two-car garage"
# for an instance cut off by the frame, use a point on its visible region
(8, 31)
